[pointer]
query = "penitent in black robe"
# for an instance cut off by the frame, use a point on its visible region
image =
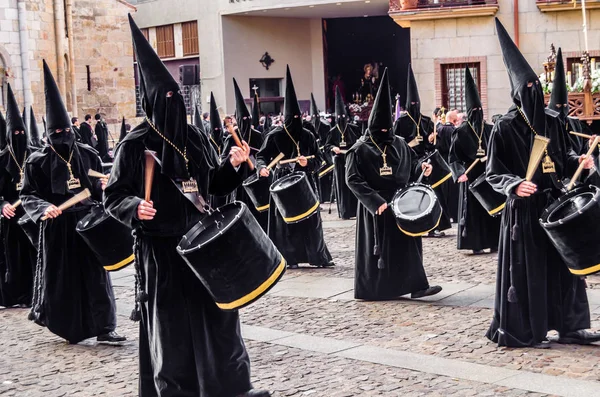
(300, 242)
(405, 127)
(450, 189)
(477, 230)
(325, 181)
(548, 296)
(402, 255)
(73, 293)
(188, 346)
(345, 199)
(17, 262)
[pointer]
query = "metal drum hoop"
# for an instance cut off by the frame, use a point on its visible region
(552, 208)
(429, 193)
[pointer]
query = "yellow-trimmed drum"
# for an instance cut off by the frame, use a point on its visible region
(441, 171)
(232, 256)
(257, 189)
(109, 240)
(492, 201)
(294, 197)
(572, 224)
(417, 209)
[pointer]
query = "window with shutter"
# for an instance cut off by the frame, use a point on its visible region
(165, 42)
(190, 38)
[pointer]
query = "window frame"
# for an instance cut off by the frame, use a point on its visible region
(165, 48)
(190, 41)
(442, 64)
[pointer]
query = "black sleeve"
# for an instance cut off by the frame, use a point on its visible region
(358, 183)
(497, 172)
(31, 196)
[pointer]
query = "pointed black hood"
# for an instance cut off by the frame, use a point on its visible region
(56, 112)
(24, 117)
(14, 121)
(255, 111)
(381, 120)
(292, 116)
(216, 124)
(2, 132)
(314, 112)
(559, 99)
(198, 119)
(473, 102)
(34, 133)
(341, 115)
(244, 120)
(123, 133)
(413, 101)
(526, 90)
(163, 104)
(16, 135)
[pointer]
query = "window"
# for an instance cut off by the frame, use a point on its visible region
(165, 43)
(190, 38)
(453, 84)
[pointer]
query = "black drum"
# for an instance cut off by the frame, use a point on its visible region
(294, 197)
(109, 240)
(325, 170)
(417, 209)
(492, 201)
(258, 191)
(572, 223)
(31, 229)
(232, 256)
(441, 171)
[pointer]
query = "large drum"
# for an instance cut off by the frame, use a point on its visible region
(232, 256)
(258, 191)
(492, 201)
(441, 171)
(572, 223)
(109, 240)
(294, 197)
(417, 209)
(31, 229)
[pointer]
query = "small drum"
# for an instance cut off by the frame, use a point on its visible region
(109, 240)
(417, 209)
(232, 256)
(441, 170)
(572, 225)
(258, 191)
(294, 197)
(492, 201)
(31, 229)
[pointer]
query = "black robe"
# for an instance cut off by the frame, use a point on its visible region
(301, 242)
(477, 230)
(188, 346)
(548, 296)
(450, 189)
(405, 127)
(578, 144)
(86, 133)
(326, 181)
(73, 293)
(345, 199)
(102, 136)
(17, 255)
(402, 255)
(217, 201)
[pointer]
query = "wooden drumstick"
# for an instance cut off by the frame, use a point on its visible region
(149, 174)
(275, 161)
(78, 198)
(474, 163)
(238, 142)
(96, 174)
(16, 203)
(294, 160)
(582, 164)
(586, 136)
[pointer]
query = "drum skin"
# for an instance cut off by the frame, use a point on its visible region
(441, 171)
(109, 240)
(31, 229)
(232, 256)
(294, 197)
(258, 191)
(572, 224)
(492, 201)
(417, 209)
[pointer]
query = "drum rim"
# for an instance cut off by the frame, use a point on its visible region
(104, 215)
(561, 200)
(429, 209)
(478, 180)
(278, 182)
(253, 179)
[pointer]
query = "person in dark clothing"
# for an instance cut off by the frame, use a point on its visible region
(205, 121)
(340, 139)
(300, 242)
(86, 132)
(215, 136)
(256, 114)
(101, 131)
(188, 346)
(34, 134)
(477, 230)
(75, 127)
(442, 142)
(17, 261)
(73, 295)
(2, 132)
(124, 130)
(535, 292)
(395, 267)
(322, 129)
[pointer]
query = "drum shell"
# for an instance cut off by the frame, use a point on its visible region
(427, 221)
(257, 189)
(441, 171)
(110, 241)
(576, 238)
(237, 266)
(295, 201)
(31, 229)
(492, 201)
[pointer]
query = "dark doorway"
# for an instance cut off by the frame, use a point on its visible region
(350, 43)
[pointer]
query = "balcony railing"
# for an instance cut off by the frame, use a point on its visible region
(395, 5)
(441, 9)
(565, 5)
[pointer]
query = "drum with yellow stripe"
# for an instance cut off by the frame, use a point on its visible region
(109, 240)
(492, 201)
(417, 209)
(294, 197)
(257, 189)
(232, 256)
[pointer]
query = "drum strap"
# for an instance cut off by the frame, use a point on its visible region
(195, 197)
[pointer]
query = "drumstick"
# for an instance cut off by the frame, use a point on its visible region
(16, 203)
(582, 164)
(474, 163)
(149, 174)
(540, 143)
(413, 143)
(586, 136)
(275, 161)
(237, 141)
(294, 160)
(78, 198)
(97, 174)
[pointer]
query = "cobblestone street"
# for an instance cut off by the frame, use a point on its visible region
(309, 337)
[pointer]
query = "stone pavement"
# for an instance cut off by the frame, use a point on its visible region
(309, 337)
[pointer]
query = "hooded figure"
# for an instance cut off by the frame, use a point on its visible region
(325, 175)
(188, 346)
(300, 242)
(34, 134)
(123, 133)
(53, 175)
(17, 255)
(340, 139)
(2, 132)
(256, 114)
(477, 230)
(535, 292)
(215, 136)
(388, 263)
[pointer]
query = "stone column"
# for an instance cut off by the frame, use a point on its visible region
(59, 33)
(73, 87)
(24, 47)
